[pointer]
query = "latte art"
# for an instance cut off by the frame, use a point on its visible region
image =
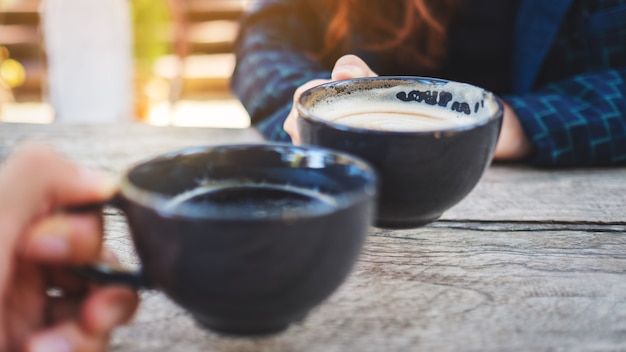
(430, 140)
(399, 121)
(403, 107)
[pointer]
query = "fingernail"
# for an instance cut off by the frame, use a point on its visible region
(109, 256)
(92, 177)
(348, 71)
(115, 314)
(50, 342)
(50, 247)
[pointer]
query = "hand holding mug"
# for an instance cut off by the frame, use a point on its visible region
(512, 143)
(430, 140)
(247, 238)
(43, 306)
(347, 67)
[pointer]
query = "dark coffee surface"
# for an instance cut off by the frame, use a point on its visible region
(252, 200)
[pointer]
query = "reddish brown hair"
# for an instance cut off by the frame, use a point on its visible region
(414, 30)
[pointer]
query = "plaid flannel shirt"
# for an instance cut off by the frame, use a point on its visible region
(569, 73)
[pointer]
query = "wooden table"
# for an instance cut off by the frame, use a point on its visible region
(531, 260)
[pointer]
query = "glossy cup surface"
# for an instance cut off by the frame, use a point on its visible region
(240, 272)
(422, 173)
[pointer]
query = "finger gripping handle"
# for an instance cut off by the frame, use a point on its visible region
(103, 273)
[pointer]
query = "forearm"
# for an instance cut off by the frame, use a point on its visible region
(272, 126)
(266, 79)
(273, 60)
(576, 122)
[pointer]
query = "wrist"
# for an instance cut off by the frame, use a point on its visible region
(513, 144)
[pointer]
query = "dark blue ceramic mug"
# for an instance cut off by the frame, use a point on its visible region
(247, 238)
(430, 140)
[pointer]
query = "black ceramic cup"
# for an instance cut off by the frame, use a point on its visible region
(429, 139)
(247, 238)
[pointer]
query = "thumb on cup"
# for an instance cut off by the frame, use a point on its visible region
(351, 66)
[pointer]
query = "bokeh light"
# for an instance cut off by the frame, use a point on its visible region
(12, 72)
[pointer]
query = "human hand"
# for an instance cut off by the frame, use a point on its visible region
(346, 67)
(512, 142)
(37, 246)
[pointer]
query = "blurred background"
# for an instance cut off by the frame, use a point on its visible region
(182, 61)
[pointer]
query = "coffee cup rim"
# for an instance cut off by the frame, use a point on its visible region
(158, 202)
(306, 113)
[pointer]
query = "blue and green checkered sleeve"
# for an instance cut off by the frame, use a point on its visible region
(576, 122)
(271, 64)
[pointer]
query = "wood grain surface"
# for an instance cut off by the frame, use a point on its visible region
(531, 260)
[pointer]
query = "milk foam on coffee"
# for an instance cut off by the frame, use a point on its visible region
(405, 107)
(397, 121)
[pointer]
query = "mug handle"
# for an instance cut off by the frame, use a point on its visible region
(103, 273)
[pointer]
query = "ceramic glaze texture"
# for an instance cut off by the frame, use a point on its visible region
(424, 171)
(237, 259)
